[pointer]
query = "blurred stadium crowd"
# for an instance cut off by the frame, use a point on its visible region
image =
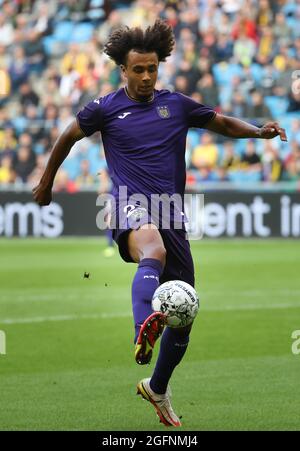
(239, 56)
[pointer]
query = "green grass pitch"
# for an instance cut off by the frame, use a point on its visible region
(69, 362)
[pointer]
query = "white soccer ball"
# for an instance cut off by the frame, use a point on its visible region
(178, 301)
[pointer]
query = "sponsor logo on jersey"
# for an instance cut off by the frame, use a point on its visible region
(123, 115)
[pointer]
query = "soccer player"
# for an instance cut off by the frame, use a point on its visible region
(144, 132)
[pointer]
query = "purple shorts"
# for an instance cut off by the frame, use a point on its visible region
(179, 261)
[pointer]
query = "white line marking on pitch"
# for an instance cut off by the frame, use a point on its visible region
(73, 296)
(42, 319)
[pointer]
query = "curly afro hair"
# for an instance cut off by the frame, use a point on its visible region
(157, 38)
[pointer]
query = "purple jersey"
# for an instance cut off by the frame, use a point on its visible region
(144, 142)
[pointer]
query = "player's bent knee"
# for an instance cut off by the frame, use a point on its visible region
(157, 251)
(146, 243)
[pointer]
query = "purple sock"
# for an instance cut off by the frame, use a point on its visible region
(172, 349)
(109, 237)
(144, 284)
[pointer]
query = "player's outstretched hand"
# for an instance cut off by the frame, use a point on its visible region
(42, 195)
(272, 129)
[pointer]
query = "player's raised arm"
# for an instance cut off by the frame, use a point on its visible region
(42, 193)
(235, 128)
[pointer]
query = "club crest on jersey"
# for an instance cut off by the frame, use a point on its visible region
(163, 112)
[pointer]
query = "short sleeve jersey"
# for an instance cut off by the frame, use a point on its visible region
(144, 142)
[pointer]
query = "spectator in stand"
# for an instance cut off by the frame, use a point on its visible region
(250, 160)
(23, 164)
(238, 105)
(42, 23)
(230, 160)
(189, 19)
(35, 176)
(90, 91)
(5, 56)
(85, 179)
(186, 37)
(25, 139)
(4, 87)
(204, 66)
(35, 52)
(5, 120)
(244, 26)
(47, 140)
(8, 142)
(19, 69)
(268, 79)
(6, 31)
(265, 14)
(75, 60)
(224, 48)
(63, 183)
(244, 49)
(205, 174)
(282, 31)
(265, 49)
(257, 110)
(22, 26)
(181, 84)
(211, 16)
(113, 22)
(171, 17)
(296, 50)
(50, 116)
(105, 89)
(27, 95)
(34, 126)
(197, 96)
(208, 45)
(224, 26)
(285, 67)
(208, 90)
(292, 162)
(6, 170)
(52, 93)
(53, 135)
(271, 163)
(294, 97)
(65, 117)
(206, 153)
(69, 85)
(190, 72)
(295, 130)
(246, 81)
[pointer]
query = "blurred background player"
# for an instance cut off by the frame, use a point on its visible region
(109, 251)
(105, 187)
